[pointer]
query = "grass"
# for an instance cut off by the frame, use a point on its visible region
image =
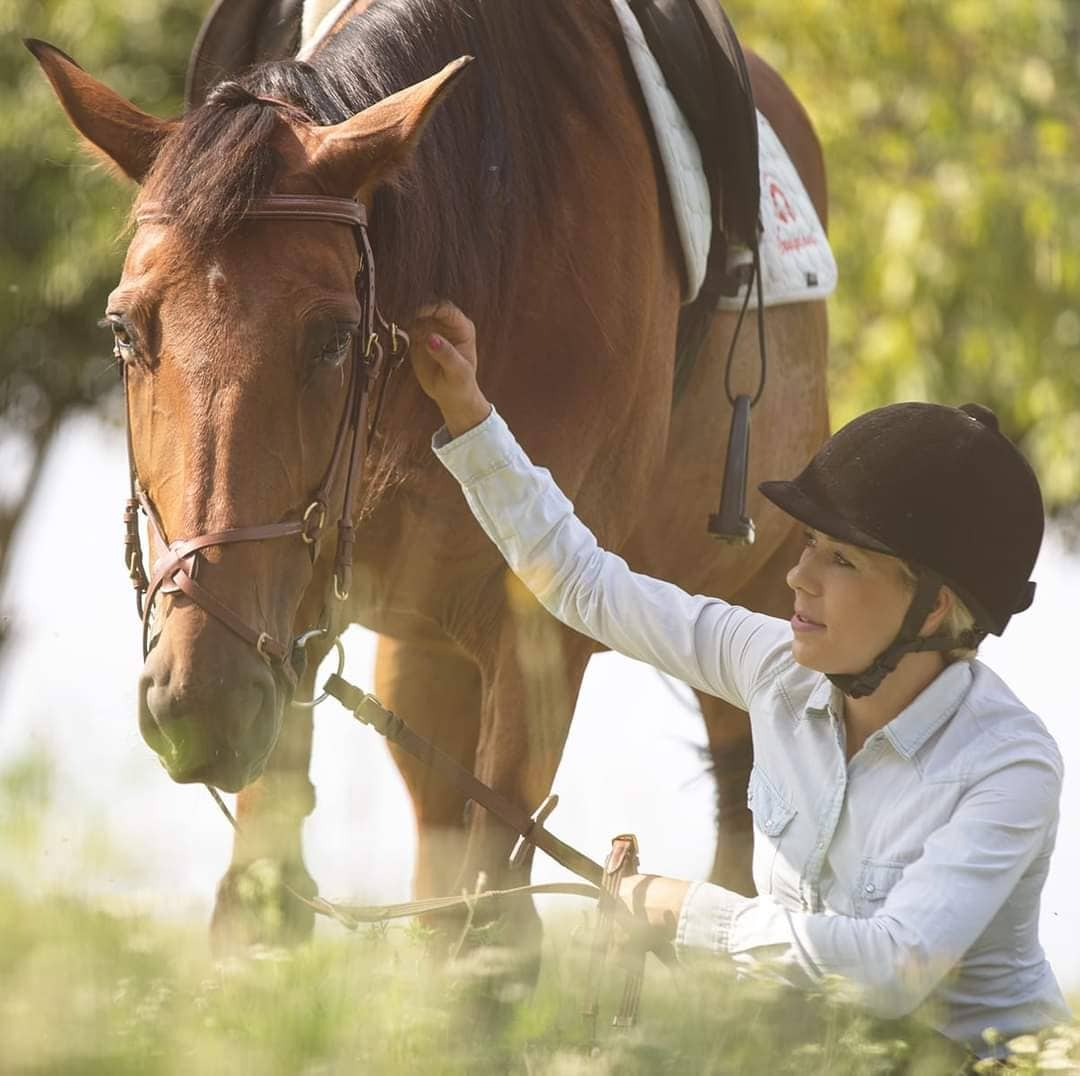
(86, 989)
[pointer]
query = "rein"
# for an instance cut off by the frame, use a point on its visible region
(177, 568)
(600, 883)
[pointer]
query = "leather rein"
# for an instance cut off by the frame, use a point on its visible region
(177, 567)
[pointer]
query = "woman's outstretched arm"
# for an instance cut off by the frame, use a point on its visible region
(714, 646)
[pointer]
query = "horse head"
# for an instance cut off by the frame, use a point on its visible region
(234, 332)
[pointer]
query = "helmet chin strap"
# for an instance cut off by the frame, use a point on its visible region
(907, 641)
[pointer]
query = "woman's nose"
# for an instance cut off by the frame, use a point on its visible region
(800, 577)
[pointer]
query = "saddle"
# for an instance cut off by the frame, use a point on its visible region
(236, 34)
(703, 63)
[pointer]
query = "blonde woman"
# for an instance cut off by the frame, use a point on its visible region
(905, 802)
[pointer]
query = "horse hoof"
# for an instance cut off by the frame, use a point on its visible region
(255, 908)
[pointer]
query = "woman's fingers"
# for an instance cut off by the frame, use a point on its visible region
(443, 356)
(450, 322)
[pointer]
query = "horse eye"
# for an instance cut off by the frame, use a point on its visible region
(334, 353)
(123, 341)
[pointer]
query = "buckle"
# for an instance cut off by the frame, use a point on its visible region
(311, 536)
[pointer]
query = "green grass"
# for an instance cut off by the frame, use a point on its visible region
(86, 991)
(89, 989)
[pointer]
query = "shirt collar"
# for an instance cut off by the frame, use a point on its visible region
(939, 700)
(915, 724)
(818, 703)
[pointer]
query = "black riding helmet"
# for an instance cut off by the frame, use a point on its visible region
(941, 488)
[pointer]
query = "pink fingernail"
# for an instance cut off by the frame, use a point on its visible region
(435, 342)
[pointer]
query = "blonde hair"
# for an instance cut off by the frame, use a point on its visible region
(958, 619)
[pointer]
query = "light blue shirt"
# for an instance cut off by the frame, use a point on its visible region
(913, 872)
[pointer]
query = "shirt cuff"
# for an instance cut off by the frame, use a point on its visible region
(475, 453)
(705, 920)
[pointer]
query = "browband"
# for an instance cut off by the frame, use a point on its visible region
(280, 207)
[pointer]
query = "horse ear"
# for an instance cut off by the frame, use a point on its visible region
(352, 158)
(112, 125)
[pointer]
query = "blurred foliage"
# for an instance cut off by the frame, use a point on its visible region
(952, 141)
(61, 231)
(950, 132)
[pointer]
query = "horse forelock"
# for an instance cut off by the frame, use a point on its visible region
(455, 224)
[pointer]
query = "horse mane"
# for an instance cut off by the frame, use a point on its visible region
(456, 222)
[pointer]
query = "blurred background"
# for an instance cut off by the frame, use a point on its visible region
(951, 135)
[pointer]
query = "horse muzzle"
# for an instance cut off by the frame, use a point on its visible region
(216, 724)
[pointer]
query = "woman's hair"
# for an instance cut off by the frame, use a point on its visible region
(958, 619)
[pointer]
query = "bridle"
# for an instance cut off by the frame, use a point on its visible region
(176, 569)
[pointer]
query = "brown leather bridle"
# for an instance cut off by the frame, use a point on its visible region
(175, 570)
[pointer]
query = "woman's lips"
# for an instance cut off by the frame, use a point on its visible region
(800, 623)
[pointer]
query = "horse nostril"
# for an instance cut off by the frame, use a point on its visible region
(210, 722)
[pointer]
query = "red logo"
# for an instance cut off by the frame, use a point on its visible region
(781, 206)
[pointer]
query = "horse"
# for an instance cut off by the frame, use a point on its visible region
(525, 186)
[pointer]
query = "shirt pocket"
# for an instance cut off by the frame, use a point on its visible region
(877, 878)
(771, 811)
(772, 815)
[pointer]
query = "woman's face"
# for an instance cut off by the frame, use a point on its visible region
(849, 604)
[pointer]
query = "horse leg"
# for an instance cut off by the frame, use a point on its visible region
(253, 905)
(728, 730)
(530, 690)
(435, 689)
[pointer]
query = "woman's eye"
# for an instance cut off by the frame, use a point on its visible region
(843, 561)
(337, 350)
(808, 537)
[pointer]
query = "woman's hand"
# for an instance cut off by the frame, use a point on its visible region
(443, 355)
(654, 902)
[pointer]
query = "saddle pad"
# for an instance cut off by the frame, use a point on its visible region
(797, 262)
(690, 198)
(320, 17)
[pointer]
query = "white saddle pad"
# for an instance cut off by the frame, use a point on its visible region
(797, 262)
(318, 20)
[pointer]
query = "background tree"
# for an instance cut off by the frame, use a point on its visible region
(950, 133)
(952, 139)
(63, 221)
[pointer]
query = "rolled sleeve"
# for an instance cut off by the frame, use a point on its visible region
(476, 452)
(705, 920)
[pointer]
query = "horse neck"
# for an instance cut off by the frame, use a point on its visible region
(485, 181)
(457, 227)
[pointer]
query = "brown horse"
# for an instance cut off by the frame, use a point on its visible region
(535, 201)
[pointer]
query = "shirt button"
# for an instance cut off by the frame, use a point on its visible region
(820, 844)
(869, 887)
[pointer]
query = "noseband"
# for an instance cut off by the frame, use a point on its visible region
(176, 569)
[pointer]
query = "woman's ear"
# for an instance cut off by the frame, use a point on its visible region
(936, 617)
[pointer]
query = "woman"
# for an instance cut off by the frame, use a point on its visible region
(905, 802)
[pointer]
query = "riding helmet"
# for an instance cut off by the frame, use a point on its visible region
(943, 489)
